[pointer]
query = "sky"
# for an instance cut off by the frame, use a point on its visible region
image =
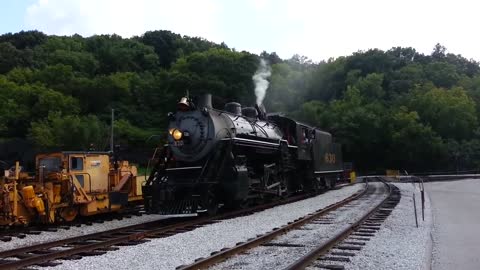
(318, 29)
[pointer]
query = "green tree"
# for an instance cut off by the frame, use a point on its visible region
(371, 86)
(69, 132)
(220, 71)
(413, 145)
(24, 39)
(121, 55)
(451, 113)
(442, 74)
(9, 57)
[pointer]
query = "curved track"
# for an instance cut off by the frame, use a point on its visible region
(48, 254)
(298, 244)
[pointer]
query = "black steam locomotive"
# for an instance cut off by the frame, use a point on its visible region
(235, 157)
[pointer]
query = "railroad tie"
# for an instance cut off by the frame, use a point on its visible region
(342, 253)
(5, 238)
(21, 235)
(112, 248)
(369, 227)
(359, 238)
(49, 264)
(329, 266)
(304, 228)
(364, 234)
(374, 219)
(132, 242)
(355, 243)
(156, 236)
(33, 232)
(348, 247)
(166, 234)
(72, 258)
(50, 229)
(92, 253)
(371, 223)
(366, 231)
(281, 245)
(334, 258)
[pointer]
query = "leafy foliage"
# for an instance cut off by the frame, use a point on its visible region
(390, 109)
(69, 132)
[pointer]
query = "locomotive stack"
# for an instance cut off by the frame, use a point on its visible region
(235, 157)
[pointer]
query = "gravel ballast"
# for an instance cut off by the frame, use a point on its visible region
(399, 244)
(77, 231)
(306, 237)
(184, 248)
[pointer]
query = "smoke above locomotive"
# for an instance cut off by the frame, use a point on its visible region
(260, 79)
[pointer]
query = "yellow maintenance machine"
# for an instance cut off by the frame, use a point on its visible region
(67, 184)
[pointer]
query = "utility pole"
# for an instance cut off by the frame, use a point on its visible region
(111, 133)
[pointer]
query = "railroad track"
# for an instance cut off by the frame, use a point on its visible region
(51, 253)
(322, 240)
(7, 233)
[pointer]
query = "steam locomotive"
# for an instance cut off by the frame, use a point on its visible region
(236, 157)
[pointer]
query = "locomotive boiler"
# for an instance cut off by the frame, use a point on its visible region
(235, 157)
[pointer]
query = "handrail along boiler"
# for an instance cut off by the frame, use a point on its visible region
(237, 156)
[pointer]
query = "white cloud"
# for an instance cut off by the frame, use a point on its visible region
(123, 17)
(333, 28)
(317, 29)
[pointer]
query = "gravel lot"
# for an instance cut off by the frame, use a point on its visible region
(184, 248)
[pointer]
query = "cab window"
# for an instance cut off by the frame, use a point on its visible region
(76, 163)
(50, 164)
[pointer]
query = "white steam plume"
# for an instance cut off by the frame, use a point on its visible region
(260, 80)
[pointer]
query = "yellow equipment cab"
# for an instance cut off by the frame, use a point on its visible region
(68, 184)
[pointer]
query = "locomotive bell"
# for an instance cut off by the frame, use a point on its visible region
(183, 104)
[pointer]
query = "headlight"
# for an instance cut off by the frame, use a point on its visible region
(170, 131)
(177, 135)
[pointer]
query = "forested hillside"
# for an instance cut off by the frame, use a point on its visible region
(390, 109)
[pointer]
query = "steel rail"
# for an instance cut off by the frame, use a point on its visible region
(240, 247)
(306, 260)
(117, 236)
